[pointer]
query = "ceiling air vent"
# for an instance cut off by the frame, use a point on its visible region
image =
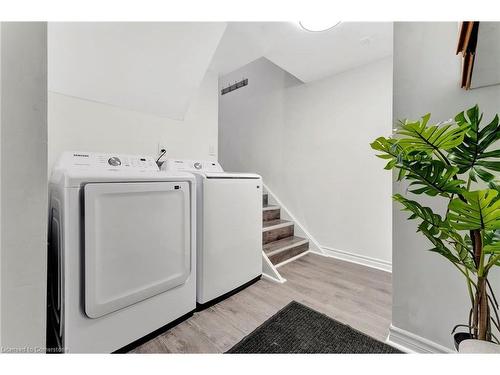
(235, 86)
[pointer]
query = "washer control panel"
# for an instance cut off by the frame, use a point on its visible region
(101, 161)
(191, 165)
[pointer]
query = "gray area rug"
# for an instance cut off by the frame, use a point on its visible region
(299, 329)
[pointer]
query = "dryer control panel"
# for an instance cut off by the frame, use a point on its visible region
(101, 161)
(191, 165)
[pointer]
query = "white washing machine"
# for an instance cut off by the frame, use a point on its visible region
(229, 228)
(122, 251)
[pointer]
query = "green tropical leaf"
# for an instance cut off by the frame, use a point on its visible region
(491, 242)
(440, 247)
(389, 149)
(432, 221)
(438, 230)
(491, 236)
(491, 246)
(396, 155)
(481, 211)
(495, 186)
(466, 256)
(433, 178)
(472, 154)
(492, 249)
(418, 136)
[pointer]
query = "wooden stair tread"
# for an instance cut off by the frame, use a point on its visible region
(270, 207)
(284, 256)
(274, 224)
(283, 244)
(271, 212)
(279, 256)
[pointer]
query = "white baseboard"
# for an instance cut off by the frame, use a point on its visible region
(356, 258)
(411, 343)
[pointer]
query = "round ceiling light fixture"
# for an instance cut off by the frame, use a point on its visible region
(318, 25)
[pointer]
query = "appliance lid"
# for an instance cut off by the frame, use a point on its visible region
(231, 175)
(187, 165)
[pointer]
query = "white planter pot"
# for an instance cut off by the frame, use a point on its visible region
(478, 346)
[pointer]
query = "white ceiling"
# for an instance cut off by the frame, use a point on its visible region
(309, 56)
(144, 66)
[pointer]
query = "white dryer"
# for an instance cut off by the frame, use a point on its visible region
(122, 251)
(229, 228)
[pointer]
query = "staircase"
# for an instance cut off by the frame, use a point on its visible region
(278, 240)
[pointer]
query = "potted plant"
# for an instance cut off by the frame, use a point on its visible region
(456, 161)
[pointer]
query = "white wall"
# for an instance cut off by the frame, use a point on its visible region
(310, 142)
(78, 124)
(429, 294)
(23, 187)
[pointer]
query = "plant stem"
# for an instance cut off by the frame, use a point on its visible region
(483, 313)
(469, 288)
(481, 271)
(477, 244)
(448, 207)
(441, 157)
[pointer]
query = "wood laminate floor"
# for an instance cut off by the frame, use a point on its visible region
(352, 294)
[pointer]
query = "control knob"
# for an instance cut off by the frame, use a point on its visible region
(114, 161)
